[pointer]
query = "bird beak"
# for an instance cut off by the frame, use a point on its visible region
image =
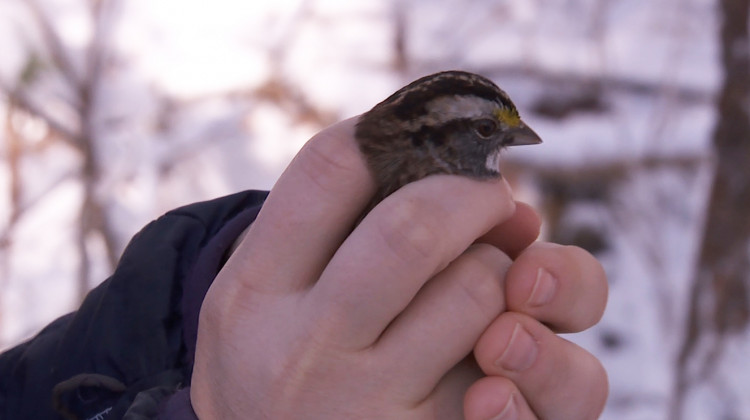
(521, 135)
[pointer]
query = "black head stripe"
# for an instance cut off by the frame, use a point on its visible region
(410, 101)
(437, 135)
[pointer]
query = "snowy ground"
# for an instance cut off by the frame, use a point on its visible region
(192, 63)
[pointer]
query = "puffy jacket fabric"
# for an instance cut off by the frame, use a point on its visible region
(128, 349)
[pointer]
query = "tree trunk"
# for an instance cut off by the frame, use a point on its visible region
(719, 296)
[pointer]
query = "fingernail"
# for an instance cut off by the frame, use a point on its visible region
(510, 411)
(521, 351)
(544, 288)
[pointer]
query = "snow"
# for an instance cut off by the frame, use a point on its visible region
(179, 123)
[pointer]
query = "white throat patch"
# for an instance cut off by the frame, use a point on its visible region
(493, 161)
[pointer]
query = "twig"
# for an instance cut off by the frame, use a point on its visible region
(55, 45)
(21, 101)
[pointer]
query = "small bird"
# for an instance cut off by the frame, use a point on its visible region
(452, 122)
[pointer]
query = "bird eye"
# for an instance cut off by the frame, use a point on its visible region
(485, 127)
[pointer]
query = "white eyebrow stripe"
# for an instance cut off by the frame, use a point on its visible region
(461, 106)
(446, 108)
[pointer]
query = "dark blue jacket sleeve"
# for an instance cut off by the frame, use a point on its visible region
(178, 407)
(129, 348)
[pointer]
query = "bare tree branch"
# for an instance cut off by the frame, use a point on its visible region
(67, 134)
(617, 168)
(55, 45)
(16, 185)
(94, 218)
(681, 93)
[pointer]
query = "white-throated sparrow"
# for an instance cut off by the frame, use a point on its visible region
(451, 122)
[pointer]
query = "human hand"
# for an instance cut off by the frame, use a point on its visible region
(309, 320)
(530, 371)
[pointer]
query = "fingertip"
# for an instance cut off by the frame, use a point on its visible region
(516, 233)
(528, 217)
(562, 286)
(495, 397)
(561, 377)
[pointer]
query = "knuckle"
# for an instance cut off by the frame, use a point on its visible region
(328, 161)
(410, 230)
(481, 278)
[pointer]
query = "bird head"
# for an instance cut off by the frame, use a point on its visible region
(450, 122)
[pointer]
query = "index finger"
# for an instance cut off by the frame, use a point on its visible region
(307, 214)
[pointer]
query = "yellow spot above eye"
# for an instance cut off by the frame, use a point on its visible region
(508, 117)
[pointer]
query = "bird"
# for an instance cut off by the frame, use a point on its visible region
(451, 122)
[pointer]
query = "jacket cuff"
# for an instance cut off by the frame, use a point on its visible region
(178, 407)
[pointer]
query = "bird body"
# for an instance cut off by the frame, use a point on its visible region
(452, 122)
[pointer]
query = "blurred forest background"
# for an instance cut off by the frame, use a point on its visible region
(113, 112)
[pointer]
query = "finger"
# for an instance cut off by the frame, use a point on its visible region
(443, 322)
(403, 242)
(562, 286)
(515, 234)
(308, 213)
(559, 379)
(446, 402)
(495, 397)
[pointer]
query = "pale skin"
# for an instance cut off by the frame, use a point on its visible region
(418, 313)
